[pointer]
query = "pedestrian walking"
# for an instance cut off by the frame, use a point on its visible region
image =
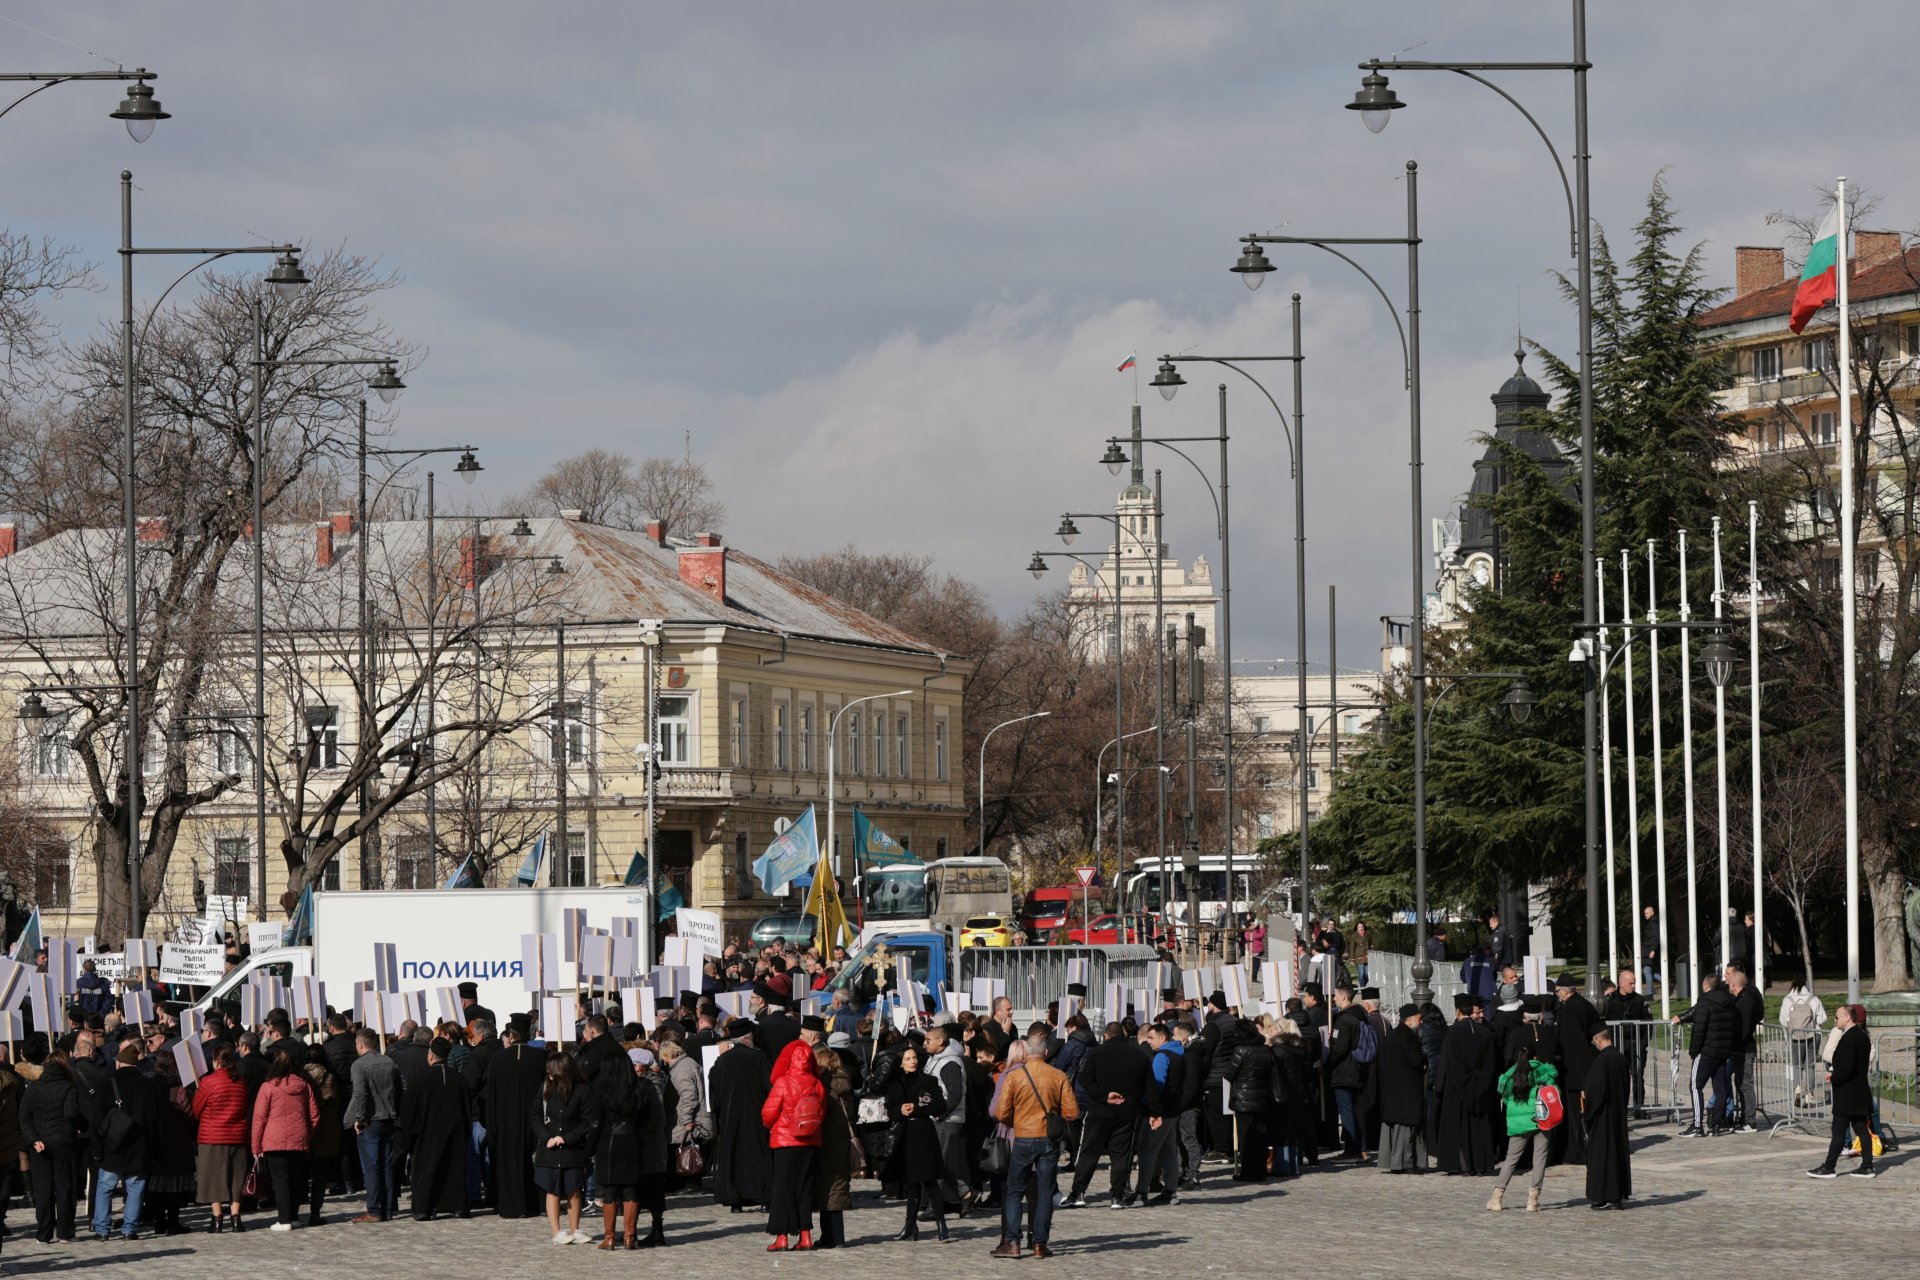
(1712, 1037)
(1852, 1094)
(1519, 1093)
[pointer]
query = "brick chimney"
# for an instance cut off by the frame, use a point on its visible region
(657, 530)
(1757, 267)
(342, 523)
(323, 544)
(153, 528)
(706, 539)
(704, 567)
(472, 556)
(1870, 247)
(9, 540)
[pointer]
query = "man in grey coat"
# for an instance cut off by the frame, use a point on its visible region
(372, 1113)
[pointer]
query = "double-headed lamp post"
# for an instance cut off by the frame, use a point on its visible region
(984, 739)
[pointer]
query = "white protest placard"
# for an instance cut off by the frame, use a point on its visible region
(1077, 971)
(13, 983)
(370, 1008)
(733, 1003)
(49, 1008)
(626, 927)
(1190, 985)
(309, 1000)
(1234, 985)
(1116, 1006)
(1143, 1001)
(1159, 975)
(709, 1054)
(556, 1019)
(699, 926)
(111, 966)
(63, 966)
(223, 910)
(192, 964)
(902, 1016)
(675, 951)
(190, 1059)
(264, 935)
(1533, 974)
(12, 1027)
(539, 960)
(1070, 1005)
(141, 953)
(446, 1002)
(573, 923)
(386, 967)
(596, 956)
(253, 1006)
(956, 1002)
(192, 1023)
(87, 945)
(626, 956)
(670, 980)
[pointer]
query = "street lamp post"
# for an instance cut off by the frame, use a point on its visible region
(1375, 101)
(1252, 266)
(1169, 381)
(140, 110)
(286, 277)
(833, 739)
(1067, 532)
(984, 739)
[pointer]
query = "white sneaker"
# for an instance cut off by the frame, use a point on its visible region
(281, 1226)
(563, 1237)
(581, 1237)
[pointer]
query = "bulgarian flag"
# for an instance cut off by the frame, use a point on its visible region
(1819, 279)
(1128, 363)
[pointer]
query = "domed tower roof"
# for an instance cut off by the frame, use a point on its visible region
(1516, 406)
(1518, 395)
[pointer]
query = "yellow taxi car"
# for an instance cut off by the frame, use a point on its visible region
(986, 931)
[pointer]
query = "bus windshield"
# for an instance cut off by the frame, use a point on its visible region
(894, 893)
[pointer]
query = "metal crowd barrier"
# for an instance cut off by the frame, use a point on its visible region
(1392, 973)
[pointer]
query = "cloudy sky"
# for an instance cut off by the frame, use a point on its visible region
(880, 259)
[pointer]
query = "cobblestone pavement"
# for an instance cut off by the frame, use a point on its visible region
(1709, 1208)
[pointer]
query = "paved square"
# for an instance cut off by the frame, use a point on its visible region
(1706, 1208)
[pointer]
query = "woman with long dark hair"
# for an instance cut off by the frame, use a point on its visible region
(794, 1112)
(914, 1102)
(563, 1121)
(1519, 1087)
(616, 1154)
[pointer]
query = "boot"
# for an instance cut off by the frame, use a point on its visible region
(1493, 1201)
(912, 1230)
(940, 1226)
(609, 1218)
(234, 1224)
(806, 1240)
(779, 1245)
(629, 1224)
(213, 1224)
(1533, 1199)
(656, 1238)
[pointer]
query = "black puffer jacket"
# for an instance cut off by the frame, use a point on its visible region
(50, 1109)
(1221, 1031)
(1715, 1026)
(1249, 1072)
(1345, 1070)
(128, 1091)
(1193, 1074)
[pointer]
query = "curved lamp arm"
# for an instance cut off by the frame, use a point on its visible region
(1406, 353)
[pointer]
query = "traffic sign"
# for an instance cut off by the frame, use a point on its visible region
(1086, 875)
(780, 825)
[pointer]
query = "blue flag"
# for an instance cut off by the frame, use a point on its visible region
(29, 940)
(466, 877)
(637, 870)
(530, 868)
(871, 844)
(670, 901)
(300, 926)
(790, 856)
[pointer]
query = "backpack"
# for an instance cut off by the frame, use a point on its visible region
(1799, 1010)
(809, 1111)
(1367, 1047)
(1548, 1110)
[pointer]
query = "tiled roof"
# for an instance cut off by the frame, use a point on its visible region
(1887, 278)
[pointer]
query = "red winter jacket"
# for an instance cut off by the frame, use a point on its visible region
(284, 1115)
(220, 1105)
(797, 1103)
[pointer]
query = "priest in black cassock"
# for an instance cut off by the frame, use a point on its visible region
(742, 1152)
(1605, 1095)
(1469, 1069)
(435, 1121)
(515, 1076)
(1574, 1019)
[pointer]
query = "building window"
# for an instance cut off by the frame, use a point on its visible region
(413, 864)
(854, 741)
(879, 744)
(52, 749)
(1825, 427)
(737, 732)
(569, 734)
(52, 878)
(676, 729)
(1350, 722)
(940, 751)
(1911, 337)
(1826, 575)
(323, 737)
(1766, 363)
(1262, 724)
(1869, 574)
(780, 736)
(743, 865)
(902, 745)
(232, 866)
(806, 737)
(330, 876)
(1265, 823)
(939, 847)
(1817, 355)
(232, 752)
(574, 869)
(1313, 778)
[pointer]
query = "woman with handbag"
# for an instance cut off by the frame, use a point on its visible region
(285, 1114)
(794, 1114)
(655, 1121)
(221, 1167)
(872, 1123)
(692, 1121)
(839, 1150)
(914, 1102)
(563, 1127)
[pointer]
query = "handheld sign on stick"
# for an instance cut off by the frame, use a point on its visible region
(447, 1001)
(63, 968)
(556, 1020)
(1116, 1001)
(12, 1028)
(192, 1023)
(190, 1060)
(309, 1001)
(386, 967)
(573, 922)
(539, 960)
(13, 984)
(252, 1010)
(49, 1009)
(137, 1007)
(1191, 986)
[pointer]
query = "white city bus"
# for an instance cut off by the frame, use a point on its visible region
(1142, 891)
(908, 896)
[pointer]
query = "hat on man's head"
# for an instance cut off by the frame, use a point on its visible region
(1409, 1011)
(690, 999)
(839, 1040)
(1566, 980)
(1464, 1002)
(738, 1029)
(813, 1022)
(772, 995)
(521, 1024)
(1218, 1000)
(1369, 993)
(662, 1003)
(469, 991)
(1534, 1003)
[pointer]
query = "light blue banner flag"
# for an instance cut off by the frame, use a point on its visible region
(670, 901)
(530, 868)
(636, 870)
(790, 856)
(466, 877)
(871, 844)
(29, 940)
(300, 926)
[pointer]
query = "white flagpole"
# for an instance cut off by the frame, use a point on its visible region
(1606, 767)
(1843, 361)
(1633, 775)
(1720, 749)
(1659, 786)
(1753, 680)
(1686, 760)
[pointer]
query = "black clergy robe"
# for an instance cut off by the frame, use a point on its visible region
(1575, 1020)
(436, 1117)
(1606, 1096)
(742, 1153)
(1469, 1068)
(509, 1097)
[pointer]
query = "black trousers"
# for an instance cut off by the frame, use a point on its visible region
(323, 1172)
(287, 1175)
(1250, 1157)
(54, 1176)
(1219, 1125)
(1838, 1143)
(1112, 1134)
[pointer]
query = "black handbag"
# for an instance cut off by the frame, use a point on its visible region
(995, 1154)
(1057, 1128)
(118, 1128)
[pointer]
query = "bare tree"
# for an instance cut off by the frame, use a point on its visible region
(611, 489)
(32, 271)
(678, 492)
(1803, 826)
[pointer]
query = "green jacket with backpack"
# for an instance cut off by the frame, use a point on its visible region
(1520, 1110)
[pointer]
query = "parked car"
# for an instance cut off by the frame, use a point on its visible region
(1109, 929)
(787, 926)
(986, 931)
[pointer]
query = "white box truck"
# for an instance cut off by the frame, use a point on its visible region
(441, 937)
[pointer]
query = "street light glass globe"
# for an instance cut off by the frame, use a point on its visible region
(1375, 119)
(140, 128)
